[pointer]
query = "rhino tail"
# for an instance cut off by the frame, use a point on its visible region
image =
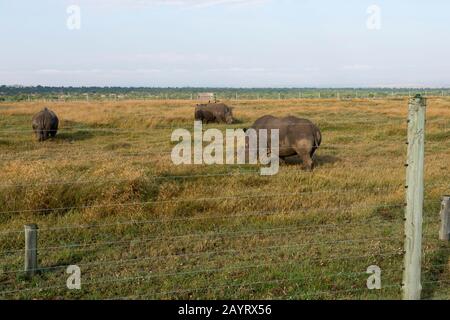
(317, 138)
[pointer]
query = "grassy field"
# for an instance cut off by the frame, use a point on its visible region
(107, 198)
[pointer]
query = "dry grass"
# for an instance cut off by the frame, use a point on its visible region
(203, 238)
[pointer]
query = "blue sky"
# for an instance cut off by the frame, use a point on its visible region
(232, 43)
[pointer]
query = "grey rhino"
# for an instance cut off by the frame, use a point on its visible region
(45, 124)
(214, 113)
(297, 137)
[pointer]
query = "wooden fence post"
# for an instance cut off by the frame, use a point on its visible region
(444, 233)
(414, 198)
(31, 263)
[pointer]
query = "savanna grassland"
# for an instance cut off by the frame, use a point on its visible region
(106, 197)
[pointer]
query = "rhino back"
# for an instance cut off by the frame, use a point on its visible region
(219, 111)
(292, 130)
(265, 122)
(41, 119)
(45, 122)
(48, 119)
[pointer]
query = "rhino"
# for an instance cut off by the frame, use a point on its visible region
(45, 124)
(214, 113)
(297, 137)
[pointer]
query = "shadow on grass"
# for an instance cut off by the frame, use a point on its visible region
(318, 160)
(6, 143)
(326, 159)
(78, 135)
(238, 121)
(76, 131)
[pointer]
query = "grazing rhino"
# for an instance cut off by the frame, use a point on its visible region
(205, 116)
(214, 112)
(297, 137)
(45, 124)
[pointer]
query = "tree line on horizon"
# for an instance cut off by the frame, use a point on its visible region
(23, 93)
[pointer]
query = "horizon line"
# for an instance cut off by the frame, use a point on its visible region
(18, 86)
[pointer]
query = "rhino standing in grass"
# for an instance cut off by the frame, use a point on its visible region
(45, 124)
(297, 137)
(214, 113)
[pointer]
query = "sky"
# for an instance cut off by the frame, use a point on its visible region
(225, 43)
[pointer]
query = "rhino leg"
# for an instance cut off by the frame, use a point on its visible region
(303, 150)
(308, 163)
(53, 132)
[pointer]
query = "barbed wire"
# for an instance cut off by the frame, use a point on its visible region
(82, 152)
(72, 143)
(260, 250)
(231, 197)
(430, 266)
(93, 156)
(276, 281)
(285, 230)
(230, 235)
(249, 232)
(109, 156)
(254, 214)
(128, 132)
(185, 121)
(236, 171)
(243, 284)
(118, 148)
(310, 293)
(154, 177)
(265, 213)
(437, 281)
(198, 271)
(244, 233)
